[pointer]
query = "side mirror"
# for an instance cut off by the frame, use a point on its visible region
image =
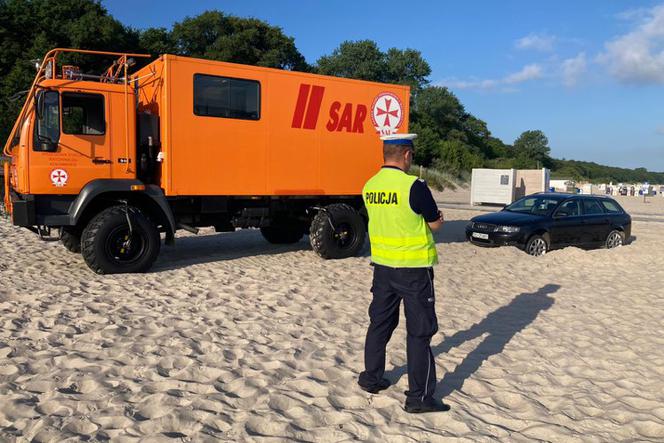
(46, 146)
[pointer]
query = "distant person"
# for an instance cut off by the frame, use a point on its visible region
(402, 216)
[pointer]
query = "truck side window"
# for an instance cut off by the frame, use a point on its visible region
(83, 114)
(48, 120)
(226, 97)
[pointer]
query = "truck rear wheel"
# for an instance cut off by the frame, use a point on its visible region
(71, 238)
(337, 231)
(282, 234)
(110, 245)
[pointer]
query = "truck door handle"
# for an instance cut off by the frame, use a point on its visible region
(100, 161)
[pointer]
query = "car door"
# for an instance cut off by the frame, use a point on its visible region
(567, 223)
(596, 222)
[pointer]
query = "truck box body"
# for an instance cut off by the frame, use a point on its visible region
(311, 134)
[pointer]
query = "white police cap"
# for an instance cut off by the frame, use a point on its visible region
(398, 139)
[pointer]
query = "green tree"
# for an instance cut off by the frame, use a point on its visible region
(364, 60)
(361, 60)
(157, 41)
(438, 108)
(407, 67)
(29, 28)
(217, 36)
(532, 149)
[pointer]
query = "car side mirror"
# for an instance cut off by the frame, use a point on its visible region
(46, 146)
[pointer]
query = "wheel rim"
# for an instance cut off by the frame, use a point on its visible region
(124, 247)
(537, 247)
(343, 235)
(614, 240)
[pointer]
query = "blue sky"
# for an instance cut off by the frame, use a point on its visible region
(590, 73)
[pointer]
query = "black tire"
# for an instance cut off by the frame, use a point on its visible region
(537, 245)
(337, 231)
(71, 239)
(615, 239)
(283, 233)
(108, 248)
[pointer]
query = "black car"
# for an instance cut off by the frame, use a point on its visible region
(540, 222)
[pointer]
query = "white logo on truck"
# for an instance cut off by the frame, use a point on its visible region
(386, 113)
(59, 177)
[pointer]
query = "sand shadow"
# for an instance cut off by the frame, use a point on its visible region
(500, 325)
(220, 247)
(249, 242)
(452, 231)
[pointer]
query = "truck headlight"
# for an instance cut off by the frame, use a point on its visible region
(507, 229)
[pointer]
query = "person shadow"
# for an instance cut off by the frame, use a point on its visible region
(500, 325)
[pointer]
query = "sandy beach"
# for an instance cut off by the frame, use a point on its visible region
(230, 338)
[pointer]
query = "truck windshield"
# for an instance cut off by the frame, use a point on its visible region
(48, 118)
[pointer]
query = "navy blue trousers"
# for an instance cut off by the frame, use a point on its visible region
(415, 287)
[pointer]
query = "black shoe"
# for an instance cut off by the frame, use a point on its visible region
(375, 389)
(416, 407)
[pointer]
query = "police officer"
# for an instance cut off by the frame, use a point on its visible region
(402, 216)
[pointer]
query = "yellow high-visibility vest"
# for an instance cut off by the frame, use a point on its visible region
(400, 238)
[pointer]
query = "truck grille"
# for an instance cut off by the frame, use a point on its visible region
(485, 227)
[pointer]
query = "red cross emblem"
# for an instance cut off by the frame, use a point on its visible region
(387, 113)
(59, 177)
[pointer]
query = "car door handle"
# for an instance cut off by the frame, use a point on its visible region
(100, 161)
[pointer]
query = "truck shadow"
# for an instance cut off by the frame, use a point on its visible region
(192, 250)
(499, 327)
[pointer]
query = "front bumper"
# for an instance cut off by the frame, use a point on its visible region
(23, 209)
(495, 238)
(40, 210)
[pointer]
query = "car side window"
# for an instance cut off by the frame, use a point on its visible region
(570, 208)
(611, 207)
(592, 207)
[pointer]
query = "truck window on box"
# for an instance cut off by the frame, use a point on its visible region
(226, 97)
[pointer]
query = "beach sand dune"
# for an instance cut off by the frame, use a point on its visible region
(232, 339)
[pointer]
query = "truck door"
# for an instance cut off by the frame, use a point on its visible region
(83, 147)
(84, 134)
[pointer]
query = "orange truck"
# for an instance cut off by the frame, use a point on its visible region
(114, 160)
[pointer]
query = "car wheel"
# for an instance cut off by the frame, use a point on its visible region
(614, 239)
(537, 245)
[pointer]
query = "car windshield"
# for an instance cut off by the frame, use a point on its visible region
(536, 205)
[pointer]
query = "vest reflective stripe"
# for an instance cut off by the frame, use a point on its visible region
(404, 255)
(400, 241)
(399, 237)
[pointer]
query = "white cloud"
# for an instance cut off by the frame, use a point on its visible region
(573, 68)
(637, 57)
(536, 42)
(527, 73)
(633, 14)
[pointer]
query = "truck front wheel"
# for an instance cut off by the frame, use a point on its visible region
(120, 239)
(71, 238)
(337, 231)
